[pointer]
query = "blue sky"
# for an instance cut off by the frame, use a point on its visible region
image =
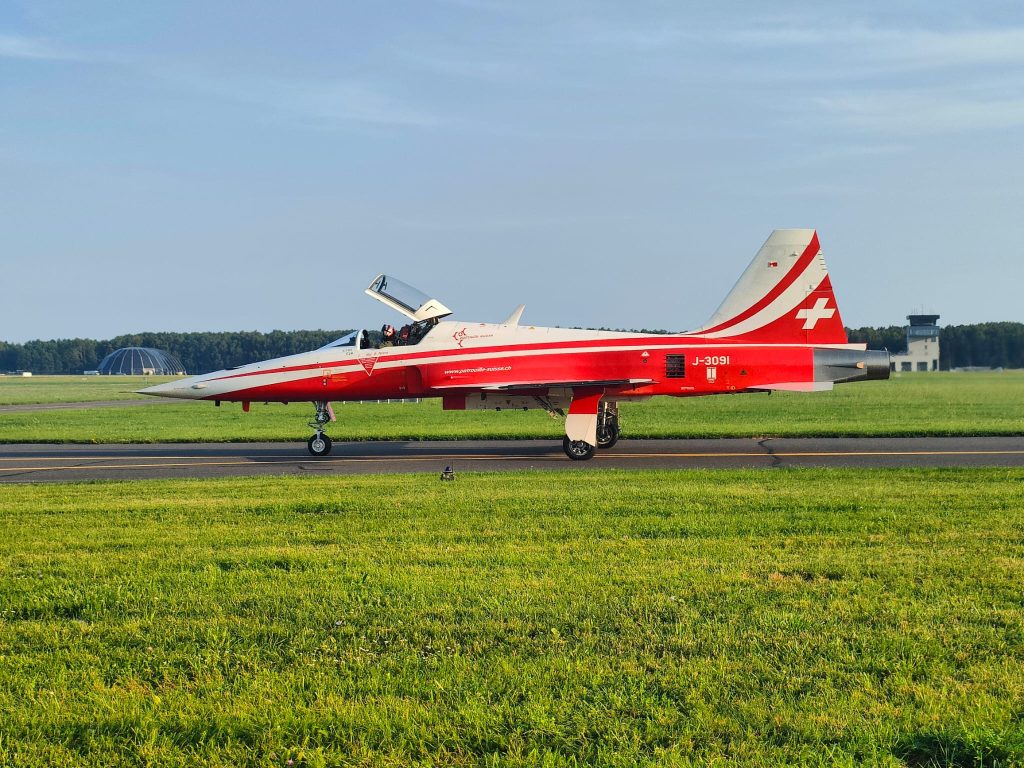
(223, 166)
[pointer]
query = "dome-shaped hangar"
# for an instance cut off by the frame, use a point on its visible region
(141, 361)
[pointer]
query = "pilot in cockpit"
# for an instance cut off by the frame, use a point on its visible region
(387, 334)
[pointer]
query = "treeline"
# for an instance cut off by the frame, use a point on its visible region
(198, 352)
(989, 345)
(995, 345)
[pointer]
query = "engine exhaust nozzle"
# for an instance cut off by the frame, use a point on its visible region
(842, 365)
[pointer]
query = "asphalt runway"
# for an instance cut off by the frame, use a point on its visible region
(63, 463)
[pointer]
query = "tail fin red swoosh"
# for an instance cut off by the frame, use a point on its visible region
(784, 296)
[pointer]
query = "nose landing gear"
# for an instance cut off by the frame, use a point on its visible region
(320, 444)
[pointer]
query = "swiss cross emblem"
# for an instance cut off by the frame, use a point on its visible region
(368, 362)
(811, 315)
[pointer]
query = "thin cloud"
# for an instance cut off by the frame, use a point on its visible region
(349, 101)
(478, 5)
(468, 67)
(630, 37)
(34, 48)
(841, 152)
(908, 47)
(923, 112)
(890, 71)
(316, 104)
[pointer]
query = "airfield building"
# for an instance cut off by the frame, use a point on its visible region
(141, 361)
(922, 345)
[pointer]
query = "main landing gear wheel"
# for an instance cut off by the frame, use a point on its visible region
(577, 450)
(319, 445)
(609, 435)
(608, 425)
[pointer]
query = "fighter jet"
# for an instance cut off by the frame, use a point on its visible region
(778, 329)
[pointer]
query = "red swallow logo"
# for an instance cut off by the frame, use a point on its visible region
(461, 335)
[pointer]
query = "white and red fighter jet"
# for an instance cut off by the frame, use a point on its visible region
(779, 328)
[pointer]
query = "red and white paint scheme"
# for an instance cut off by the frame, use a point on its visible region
(779, 328)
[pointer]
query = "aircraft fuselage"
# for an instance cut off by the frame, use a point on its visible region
(457, 360)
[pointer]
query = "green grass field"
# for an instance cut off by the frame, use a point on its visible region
(617, 619)
(913, 404)
(15, 390)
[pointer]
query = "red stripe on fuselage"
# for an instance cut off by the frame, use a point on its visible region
(426, 355)
(737, 367)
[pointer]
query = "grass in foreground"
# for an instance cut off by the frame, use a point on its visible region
(618, 619)
(914, 404)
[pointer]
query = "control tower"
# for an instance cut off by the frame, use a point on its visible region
(922, 345)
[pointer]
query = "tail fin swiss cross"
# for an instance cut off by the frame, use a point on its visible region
(784, 296)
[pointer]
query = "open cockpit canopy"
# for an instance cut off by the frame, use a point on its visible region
(403, 298)
(414, 304)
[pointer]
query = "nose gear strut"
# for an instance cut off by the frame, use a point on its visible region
(320, 444)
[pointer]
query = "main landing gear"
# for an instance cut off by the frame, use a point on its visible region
(577, 450)
(608, 425)
(320, 444)
(607, 434)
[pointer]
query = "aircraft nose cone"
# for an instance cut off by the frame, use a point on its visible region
(187, 389)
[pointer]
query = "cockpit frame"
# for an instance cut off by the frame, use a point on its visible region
(406, 299)
(424, 311)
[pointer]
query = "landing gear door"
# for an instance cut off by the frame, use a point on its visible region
(403, 298)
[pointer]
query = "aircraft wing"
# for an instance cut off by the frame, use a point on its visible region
(797, 386)
(503, 386)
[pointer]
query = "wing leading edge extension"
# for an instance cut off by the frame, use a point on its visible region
(546, 384)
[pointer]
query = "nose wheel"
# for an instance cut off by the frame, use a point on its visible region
(320, 444)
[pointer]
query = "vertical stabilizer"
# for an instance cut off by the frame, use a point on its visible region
(784, 296)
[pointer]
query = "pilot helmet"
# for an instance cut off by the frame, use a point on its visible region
(388, 330)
